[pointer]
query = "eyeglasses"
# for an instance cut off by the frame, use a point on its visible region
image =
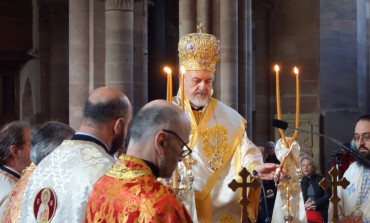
(184, 153)
(365, 136)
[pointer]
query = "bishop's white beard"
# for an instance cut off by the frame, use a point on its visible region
(199, 102)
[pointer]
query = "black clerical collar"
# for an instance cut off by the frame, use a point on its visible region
(89, 138)
(154, 169)
(10, 171)
(197, 109)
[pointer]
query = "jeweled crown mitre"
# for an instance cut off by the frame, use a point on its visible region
(199, 51)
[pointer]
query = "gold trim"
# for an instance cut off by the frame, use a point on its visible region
(120, 171)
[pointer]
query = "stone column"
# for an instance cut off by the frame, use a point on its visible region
(97, 44)
(141, 53)
(187, 17)
(78, 59)
(203, 14)
(245, 62)
(229, 52)
(119, 45)
(59, 61)
(216, 31)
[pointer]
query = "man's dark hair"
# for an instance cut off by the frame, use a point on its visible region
(47, 137)
(149, 118)
(11, 134)
(103, 112)
(365, 117)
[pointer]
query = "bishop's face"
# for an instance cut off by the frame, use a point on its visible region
(198, 87)
(362, 137)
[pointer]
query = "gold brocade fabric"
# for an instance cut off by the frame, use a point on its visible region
(11, 212)
(129, 192)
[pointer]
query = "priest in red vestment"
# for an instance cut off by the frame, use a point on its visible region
(130, 191)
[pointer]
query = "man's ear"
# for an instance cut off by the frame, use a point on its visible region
(160, 142)
(14, 153)
(119, 126)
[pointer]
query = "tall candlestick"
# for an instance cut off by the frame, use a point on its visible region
(168, 71)
(278, 104)
(297, 113)
(182, 71)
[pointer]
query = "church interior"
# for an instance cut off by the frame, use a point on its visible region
(53, 53)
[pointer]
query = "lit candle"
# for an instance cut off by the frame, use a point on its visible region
(278, 104)
(175, 174)
(168, 71)
(278, 108)
(296, 72)
(182, 71)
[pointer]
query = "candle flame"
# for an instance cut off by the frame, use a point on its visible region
(296, 71)
(277, 68)
(167, 70)
(182, 70)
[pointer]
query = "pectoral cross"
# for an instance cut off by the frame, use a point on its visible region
(254, 184)
(324, 183)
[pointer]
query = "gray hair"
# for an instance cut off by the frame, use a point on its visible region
(150, 118)
(47, 137)
(12, 134)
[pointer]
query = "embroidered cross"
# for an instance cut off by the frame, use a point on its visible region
(334, 199)
(254, 184)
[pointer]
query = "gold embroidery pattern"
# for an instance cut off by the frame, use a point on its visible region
(122, 172)
(127, 199)
(147, 210)
(227, 218)
(11, 212)
(214, 145)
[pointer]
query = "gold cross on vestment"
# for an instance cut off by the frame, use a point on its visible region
(254, 184)
(334, 199)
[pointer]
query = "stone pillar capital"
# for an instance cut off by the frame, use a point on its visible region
(119, 5)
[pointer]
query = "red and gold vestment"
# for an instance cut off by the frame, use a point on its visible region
(129, 192)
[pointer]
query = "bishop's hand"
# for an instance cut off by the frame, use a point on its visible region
(266, 171)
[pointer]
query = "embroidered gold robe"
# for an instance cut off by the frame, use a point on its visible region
(11, 211)
(221, 149)
(7, 182)
(129, 192)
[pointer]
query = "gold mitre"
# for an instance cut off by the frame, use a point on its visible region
(199, 51)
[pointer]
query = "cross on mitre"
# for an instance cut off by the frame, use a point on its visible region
(334, 199)
(253, 183)
(200, 27)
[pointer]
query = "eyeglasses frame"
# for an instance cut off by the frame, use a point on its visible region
(184, 153)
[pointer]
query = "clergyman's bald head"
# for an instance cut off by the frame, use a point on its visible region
(105, 104)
